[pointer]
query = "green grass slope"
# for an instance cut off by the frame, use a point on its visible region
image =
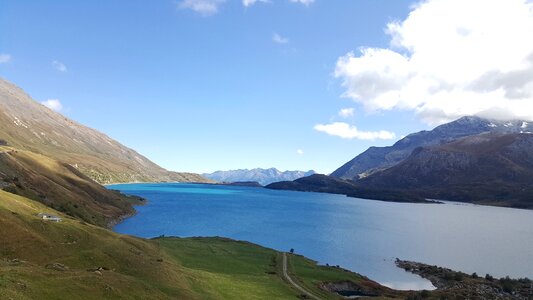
(61, 186)
(73, 259)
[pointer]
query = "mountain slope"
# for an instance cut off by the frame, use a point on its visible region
(262, 176)
(378, 158)
(28, 125)
(488, 168)
(62, 187)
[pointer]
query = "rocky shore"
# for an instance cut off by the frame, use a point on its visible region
(459, 285)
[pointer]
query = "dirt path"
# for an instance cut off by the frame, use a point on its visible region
(289, 279)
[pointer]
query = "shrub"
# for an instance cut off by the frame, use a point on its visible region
(11, 189)
(507, 284)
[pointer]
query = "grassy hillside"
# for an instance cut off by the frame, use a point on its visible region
(73, 259)
(61, 186)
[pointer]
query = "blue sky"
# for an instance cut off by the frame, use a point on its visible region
(205, 85)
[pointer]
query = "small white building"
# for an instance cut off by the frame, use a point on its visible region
(48, 217)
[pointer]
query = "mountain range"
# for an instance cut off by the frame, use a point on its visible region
(378, 158)
(262, 176)
(469, 160)
(488, 168)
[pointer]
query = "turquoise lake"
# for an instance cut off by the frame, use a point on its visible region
(361, 235)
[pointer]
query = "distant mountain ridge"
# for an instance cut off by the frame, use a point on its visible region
(488, 168)
(262, 176)
(380, 158)
(471, 160)
(27, 125)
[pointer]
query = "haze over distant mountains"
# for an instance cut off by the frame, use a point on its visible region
(262, 176)
(470, 160)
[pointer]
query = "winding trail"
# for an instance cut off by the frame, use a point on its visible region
(289, 279)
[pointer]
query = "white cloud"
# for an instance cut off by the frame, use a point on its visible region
(300, 152)
(447, 59)
(5, 58)
(59, 66)
(247, 3)
(347, 131)
(346, 112)
(53, 104)
(203, 7)
(278, 39)
(304, 2)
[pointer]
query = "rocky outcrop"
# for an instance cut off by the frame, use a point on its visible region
(465, 286)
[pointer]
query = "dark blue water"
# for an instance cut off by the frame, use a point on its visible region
(361, 235)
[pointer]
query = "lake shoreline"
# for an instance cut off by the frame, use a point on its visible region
(218, 192)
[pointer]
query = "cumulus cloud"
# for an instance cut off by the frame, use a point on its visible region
(447, 59)
(4, 58)
(304, 2)
(203, 7)
(247, 3)
(347, 131)
(278, 39)
(346, 112)
(59, 66)
(53, 104)
(300, 152)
